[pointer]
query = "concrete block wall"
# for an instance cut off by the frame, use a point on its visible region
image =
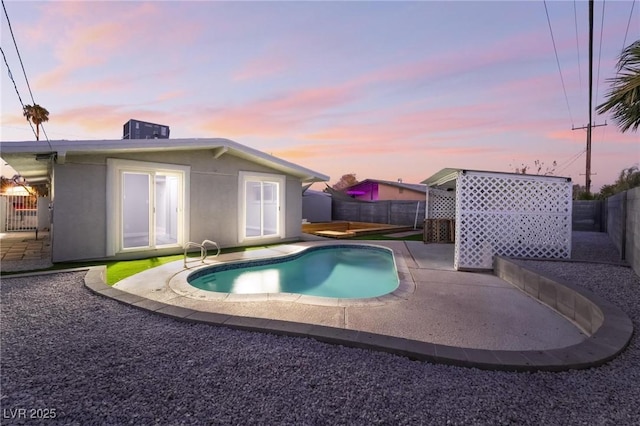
(587, 215)
(562, 297)
(632, 243)
(623, 225)
(616, 221)
(405, 212)
(374, 212)
(393, 212)
(609, 329)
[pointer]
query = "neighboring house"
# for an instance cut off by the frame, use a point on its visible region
(375, 190)
(120, 199)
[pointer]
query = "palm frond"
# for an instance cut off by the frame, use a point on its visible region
(623, 99)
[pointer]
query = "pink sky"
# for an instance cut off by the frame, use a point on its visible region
(385, 90)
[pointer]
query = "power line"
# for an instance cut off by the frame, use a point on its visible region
(575, 20)
(573, 159)
(558, 61)
(17, 51)
(16, 87)
(624, 42)
(23, 72)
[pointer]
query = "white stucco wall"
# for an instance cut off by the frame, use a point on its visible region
(79, 212)
(44, 219)
(294, 208)
(79, 215)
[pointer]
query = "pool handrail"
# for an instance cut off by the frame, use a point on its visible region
(213, 243)
(203, 250)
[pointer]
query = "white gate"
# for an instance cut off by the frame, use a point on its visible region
(21, 212)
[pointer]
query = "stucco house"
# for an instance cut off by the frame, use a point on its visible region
(378, 190)
(123, 199)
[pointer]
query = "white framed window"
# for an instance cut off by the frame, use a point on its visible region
(261, 201)
(147, 205)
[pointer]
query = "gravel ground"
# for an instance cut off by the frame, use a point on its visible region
(95, 361)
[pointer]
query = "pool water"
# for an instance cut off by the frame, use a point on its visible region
(345, 272)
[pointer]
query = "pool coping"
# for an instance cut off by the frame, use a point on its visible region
(603, 343)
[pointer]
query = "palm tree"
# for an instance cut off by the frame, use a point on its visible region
(37, 115)
(624, 97)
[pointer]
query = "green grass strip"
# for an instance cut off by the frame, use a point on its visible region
(118, 270)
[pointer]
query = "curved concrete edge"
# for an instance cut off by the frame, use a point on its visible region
(609, 340)
(608, 328)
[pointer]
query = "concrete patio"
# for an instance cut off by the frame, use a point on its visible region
(462, 318)
(23, 251)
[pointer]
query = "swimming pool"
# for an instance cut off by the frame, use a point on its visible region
(336, 271)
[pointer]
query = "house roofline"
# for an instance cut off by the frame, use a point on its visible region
(408, 186)
(446, 177)
(20, 152)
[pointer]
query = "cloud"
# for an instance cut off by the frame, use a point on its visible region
(104, 118)
(599, 135)
(472, 60)
(264, 66)
(96, 118)
(13, 119)
(89, 37)
(171, 95)
(306, 151)
(279, 114)
(395, 126)
(362, 145)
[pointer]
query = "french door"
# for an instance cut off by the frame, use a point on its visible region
(151, 209)
(148, 205)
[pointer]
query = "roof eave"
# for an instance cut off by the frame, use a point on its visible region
(442, 178)
(446, 178)
(20, 152)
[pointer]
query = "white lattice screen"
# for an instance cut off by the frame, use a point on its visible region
(511, 215)
(441, 204)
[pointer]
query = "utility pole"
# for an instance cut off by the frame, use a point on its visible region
(588, 167)
(590, 126)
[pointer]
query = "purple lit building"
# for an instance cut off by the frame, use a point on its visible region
(375, 189)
